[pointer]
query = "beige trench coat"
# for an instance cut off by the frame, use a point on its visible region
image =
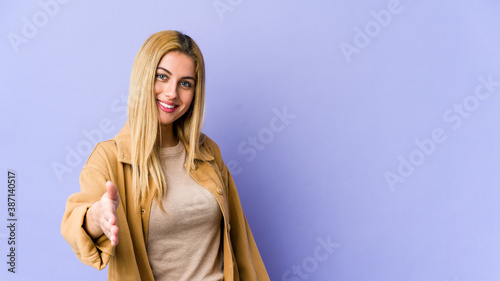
(110, 160)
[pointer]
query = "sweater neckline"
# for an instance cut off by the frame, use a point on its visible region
(172, 150)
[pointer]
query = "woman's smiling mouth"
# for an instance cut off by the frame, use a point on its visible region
(166, 106)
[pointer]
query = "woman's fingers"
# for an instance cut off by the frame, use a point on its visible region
(108, 220)
(101, 216)
(109, 213)
(109, 227)
(114, 235)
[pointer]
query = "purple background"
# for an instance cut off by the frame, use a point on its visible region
(319, 175)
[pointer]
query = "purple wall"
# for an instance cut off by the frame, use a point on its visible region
(363, 135)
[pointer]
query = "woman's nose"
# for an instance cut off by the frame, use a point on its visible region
(170, 90)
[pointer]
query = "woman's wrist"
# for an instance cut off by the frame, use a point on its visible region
(90, 224)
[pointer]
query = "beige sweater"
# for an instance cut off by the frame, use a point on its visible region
(184, 243)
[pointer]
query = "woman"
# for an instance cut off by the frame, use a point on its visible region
(157, 202)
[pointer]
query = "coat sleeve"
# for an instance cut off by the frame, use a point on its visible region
(93, 177)
(248, 259)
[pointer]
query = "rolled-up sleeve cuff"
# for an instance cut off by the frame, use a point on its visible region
(95, 253)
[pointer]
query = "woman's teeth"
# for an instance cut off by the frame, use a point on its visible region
(166, 105)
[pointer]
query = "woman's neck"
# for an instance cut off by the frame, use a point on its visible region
(167, 136)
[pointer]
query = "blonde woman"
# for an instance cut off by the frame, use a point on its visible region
(157, 202)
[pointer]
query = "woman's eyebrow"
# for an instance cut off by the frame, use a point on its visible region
(164, 70)
(186, 77)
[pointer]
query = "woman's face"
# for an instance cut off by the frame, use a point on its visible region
(174, 86)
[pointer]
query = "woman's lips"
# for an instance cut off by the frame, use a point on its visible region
(166, 106)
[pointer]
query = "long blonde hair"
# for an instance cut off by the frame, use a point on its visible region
(143, 113)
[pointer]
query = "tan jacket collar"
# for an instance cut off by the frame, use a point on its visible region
(124, 144)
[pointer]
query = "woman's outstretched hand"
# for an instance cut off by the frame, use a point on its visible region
(101, 217)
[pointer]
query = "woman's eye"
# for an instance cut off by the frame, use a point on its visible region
(186, 84)
(161, 76)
